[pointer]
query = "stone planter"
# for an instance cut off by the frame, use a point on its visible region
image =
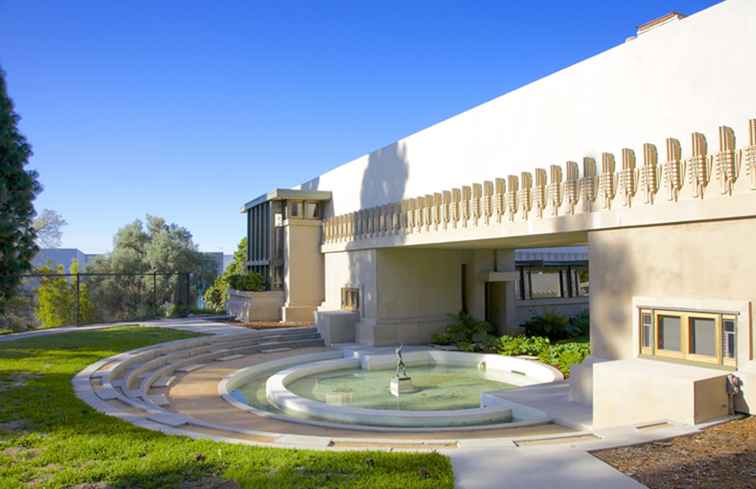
(255, 306)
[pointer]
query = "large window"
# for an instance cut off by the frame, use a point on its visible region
(557, 281)
(705, 337)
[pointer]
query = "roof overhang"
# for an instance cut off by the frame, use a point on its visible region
(288, 194)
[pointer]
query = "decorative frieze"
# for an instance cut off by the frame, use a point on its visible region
(513, 187)
(475, 201)
(524, 196)
(628, 177)
(554, 189)
(500, 198)
(488, 190)
(748, 155)
(674, 169)
(572, 186)
(649, 174)
(727, 165)
(539, 192)
(588, 184)
(699, 166)
(607, 180)
(465, 204)
(561, 194)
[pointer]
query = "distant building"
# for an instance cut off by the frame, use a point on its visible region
(61, 256)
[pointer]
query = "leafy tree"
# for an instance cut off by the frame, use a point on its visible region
(57, 296)
(47, 226)
(217, 294)
(18, 188)
(143, 249)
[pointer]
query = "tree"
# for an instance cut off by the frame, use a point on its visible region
(57, 296)
(217, 294)
(18, 188)
(47, 226)
(143, 249)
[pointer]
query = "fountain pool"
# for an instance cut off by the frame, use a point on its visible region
(451, 390)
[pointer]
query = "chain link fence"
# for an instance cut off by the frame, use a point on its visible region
(47, 300)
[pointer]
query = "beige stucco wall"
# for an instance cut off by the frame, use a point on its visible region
(694, 74)
(707, 260)
(303, 269)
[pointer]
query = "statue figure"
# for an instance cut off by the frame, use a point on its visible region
(401, 368)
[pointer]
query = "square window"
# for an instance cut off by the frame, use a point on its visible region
(669, 333)
(703, 336)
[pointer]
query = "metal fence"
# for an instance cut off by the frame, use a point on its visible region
(66, 299)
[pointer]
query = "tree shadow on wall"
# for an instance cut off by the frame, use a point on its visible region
(385, 178)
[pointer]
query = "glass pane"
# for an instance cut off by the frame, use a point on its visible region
(703, 336)
(545, 284)
(669, 333)
(729, 338)
(646, 319)
(583, 285)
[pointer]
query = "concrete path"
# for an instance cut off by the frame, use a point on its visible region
(522, 468)
(196, 325)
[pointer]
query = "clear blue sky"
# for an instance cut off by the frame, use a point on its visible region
(188, 109)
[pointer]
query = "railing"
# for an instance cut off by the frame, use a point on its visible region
(67, 299)
(562, 191)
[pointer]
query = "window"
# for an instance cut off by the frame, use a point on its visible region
(541, 281)
(702, 337)
(311, 210)
(350, 299)
(545, 284)
(647, 332)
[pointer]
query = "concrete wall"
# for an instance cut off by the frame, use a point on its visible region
(303, 269)
(666, 83)
(711, 260)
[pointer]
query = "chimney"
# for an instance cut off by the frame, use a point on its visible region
(658, 22)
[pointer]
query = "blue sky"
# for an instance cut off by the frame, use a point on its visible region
(188, 109)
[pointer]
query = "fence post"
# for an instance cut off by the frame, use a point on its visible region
(78, 299)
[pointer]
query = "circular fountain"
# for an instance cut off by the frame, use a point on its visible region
(446, 391)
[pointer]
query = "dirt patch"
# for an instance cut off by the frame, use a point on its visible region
(271, 324)
(720, 457)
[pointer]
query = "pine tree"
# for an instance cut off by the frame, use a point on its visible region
(18, 188)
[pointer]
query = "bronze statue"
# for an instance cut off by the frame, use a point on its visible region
(401, 368)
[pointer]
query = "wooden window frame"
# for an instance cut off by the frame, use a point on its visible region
(686, 337)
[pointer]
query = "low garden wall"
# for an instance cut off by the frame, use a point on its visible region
(255, 306)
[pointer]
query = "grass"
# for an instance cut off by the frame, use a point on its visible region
(49, 438)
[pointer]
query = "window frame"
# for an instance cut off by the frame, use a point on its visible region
(686, 336)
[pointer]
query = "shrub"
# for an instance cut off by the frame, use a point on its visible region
(249, 281)
(522, 345)
(579, 326)
(565, 355)
(552, 326)
(466, 330)
(177, 311)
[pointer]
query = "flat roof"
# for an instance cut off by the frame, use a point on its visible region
(287, 194)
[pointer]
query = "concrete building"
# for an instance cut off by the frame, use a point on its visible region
(645, 153)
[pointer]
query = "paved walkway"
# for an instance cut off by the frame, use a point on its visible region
(533, 468)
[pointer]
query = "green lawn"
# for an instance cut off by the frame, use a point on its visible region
(48, 438)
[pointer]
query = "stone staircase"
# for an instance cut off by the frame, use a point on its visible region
(131, 385)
